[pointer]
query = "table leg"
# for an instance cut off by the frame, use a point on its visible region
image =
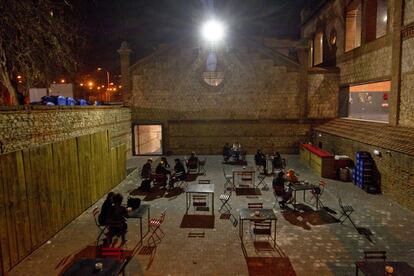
(356, 270)
(140, 229)
(317, 201)
(274, 240)
(186, 203)
(304, 195)
(148, 221)
(212, 199)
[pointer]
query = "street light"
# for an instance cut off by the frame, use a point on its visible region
(107, 76)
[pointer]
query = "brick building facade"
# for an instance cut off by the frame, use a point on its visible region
(383, 51)
(261, 100)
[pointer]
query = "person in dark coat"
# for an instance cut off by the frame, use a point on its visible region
(260, 159)
(226, 152)
(146, 176)
(116, 220)
(103, 215)
(192, 162)
(277, 162)
(179, 173)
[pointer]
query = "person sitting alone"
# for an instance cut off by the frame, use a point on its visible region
(291, 176)
(192, 162)
(103, 214)
(146, 176)
(236, 150)
(226, 152)
(116, 220)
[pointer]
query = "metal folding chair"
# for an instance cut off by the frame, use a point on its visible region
(179, 181)
(263, 228)
(262, 182)
(202, 164)
(317, 193)
(346, 211)
(224, 198)
(229, 180)
(375, 255)
(155, 226)
(102, 228)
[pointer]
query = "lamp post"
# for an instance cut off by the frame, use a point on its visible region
(107, 78)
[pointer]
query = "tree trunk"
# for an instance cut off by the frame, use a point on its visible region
(6, 81)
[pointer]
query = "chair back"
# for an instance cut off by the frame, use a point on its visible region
(162, 217)
(262, 227)
(112, 252)
(95, 214)
(322, 186)
(202, 162)
(204, 181)
(375, 255)
(255, 205)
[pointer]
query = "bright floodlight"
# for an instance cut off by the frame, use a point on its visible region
(212, 31)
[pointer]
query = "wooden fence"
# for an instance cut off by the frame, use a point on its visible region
(44, 188)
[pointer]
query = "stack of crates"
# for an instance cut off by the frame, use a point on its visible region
(363, 173)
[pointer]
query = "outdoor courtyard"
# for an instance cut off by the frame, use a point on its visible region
(308, 242)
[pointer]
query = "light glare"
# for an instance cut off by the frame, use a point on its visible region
(212, 31)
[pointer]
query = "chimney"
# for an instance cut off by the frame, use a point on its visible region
(124, 53)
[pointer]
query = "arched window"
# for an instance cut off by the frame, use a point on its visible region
(212, 75)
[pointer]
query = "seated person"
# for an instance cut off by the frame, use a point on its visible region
(179, 173)
(103, 215)
(236, 150)
(260, 160)
(162, 170)
(291, 176)
(277, 162)
(116, 220)
(192, 162)
(226, 152)
(146, 176)
(278, 185)
(286, 197)
(165, 163)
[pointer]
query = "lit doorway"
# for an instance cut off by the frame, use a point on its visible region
(147, 139)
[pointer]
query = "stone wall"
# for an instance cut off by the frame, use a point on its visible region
(27, 126)
(407, 84)
(396, 169)
(323, 94)
(409, 12)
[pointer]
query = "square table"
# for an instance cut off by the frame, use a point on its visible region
(241, 172)
(199, 189)
(249, 214)
(304, 187)
(139, 214)
(87, 267)
(378, 268)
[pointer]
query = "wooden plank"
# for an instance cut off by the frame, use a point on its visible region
(59, 185)
(84, 152)
(107, 174)
(4, 240)
(9, 171)
(113, 166)
(75, 198)
(33, 200)
(21, 209)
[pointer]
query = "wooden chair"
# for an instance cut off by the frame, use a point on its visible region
(155, 227)
(375, 255)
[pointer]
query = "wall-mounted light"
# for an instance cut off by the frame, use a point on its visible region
(377, 153)
(319, 134)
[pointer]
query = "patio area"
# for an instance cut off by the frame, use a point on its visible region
(308, 242)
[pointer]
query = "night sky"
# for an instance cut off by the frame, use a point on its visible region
(144, 24)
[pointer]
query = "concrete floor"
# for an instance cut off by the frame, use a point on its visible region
(308, 243)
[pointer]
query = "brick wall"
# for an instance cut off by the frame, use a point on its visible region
(323, 95)
(27, 126)
(260, 92)
(209, 137)
(409, 12)
(396, 169)
(407, 84)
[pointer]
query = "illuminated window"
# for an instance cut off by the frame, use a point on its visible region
(318, 48)
(376, 19)
(369, 101)
(212, 74)
(353, 25)
(310, 53)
